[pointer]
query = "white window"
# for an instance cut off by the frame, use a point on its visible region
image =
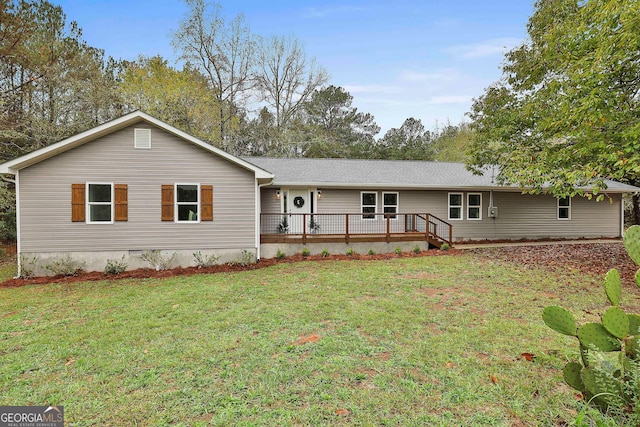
(455, 205)
(564, 208)
(142, 139)
(187, 202)
(100, 203)
(474, 206)
(390, 204)
(369, 203)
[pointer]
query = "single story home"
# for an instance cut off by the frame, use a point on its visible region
(136, 184)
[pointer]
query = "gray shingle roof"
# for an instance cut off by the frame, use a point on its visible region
(383, 174)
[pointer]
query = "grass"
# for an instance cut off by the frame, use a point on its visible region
(414, 341)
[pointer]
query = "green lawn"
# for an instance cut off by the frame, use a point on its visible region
(414, 341)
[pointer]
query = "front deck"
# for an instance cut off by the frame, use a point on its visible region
(354, 227)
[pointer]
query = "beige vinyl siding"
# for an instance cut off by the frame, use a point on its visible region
(45, 197)
(520, 216)
(269, 201)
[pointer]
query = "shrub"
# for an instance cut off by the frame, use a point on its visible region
(325, 253)
(205, 261)
(115, 267)
(398, 251)
(27, 266)
(372, 252)
(245, 258)
(416, 249)
(157, 260)
(280, 254)
(283, 227)
(444, 247)
(306, 252)
(608, 371)
(350, 252)
(65, 266)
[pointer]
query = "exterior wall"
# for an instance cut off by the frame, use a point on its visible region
(45, 198)
(520, 216)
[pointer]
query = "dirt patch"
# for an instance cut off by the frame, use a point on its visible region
(145, 273)
(307, 339)
(592, 258)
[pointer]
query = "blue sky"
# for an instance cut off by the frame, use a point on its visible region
(406, 58)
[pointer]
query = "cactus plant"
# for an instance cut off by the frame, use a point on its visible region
(607, 381)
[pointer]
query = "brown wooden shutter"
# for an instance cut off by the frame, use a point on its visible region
(77, 202)
(206, 202)
(167, 202)
(121, 202)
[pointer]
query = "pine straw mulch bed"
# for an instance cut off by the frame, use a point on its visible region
(591, 258)
(145, 273)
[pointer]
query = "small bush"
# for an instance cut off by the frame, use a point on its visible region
(444, 247)
(246, 258)
(325, 253)
(372, 252)
(350, 252)
(417, 250)
(205, 261)
(157, 260)
(65, 266)
(398, 251)
(306, 252)
(115, 267)
(280, 254)
(27, 266)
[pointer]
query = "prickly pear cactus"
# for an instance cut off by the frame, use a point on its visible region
(618, 331)
(613, 286)
(632, 243)
(560, 320)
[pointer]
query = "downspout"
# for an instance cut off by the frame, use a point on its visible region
(258, 211)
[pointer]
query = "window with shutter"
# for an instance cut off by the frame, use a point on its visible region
(187, 203)
(99, 203)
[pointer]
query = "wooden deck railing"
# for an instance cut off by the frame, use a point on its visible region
(354, 227)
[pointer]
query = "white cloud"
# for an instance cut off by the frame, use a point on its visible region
(485, 48)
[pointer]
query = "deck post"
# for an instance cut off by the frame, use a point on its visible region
(304, 229)
(346, 229)
(388, 228)
(427, 226)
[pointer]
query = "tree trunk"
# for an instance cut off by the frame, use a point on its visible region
(635, 199)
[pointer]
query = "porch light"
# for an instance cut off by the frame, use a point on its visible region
(277, 194)
(319, 194)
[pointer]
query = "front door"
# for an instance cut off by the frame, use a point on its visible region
(298, 202)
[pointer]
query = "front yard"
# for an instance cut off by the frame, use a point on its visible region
(449, 340)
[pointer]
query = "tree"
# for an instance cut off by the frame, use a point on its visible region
(338, 129)
(409, 142)
(180, 98)
(223, 52)
(286, 77)
(565, 113)
(52, 84)
(452, 143)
